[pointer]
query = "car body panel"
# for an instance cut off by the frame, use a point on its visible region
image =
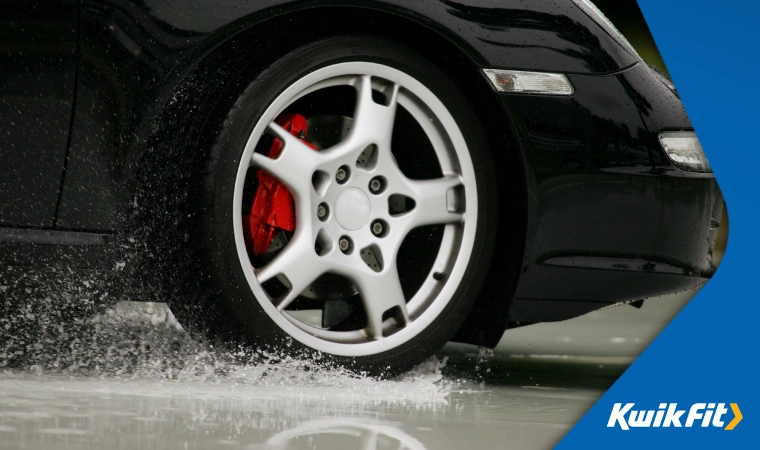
(133, 52)
(608, 217)
(38, 61)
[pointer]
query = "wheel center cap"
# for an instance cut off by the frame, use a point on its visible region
(352, 209)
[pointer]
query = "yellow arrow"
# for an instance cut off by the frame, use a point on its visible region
(737, 417)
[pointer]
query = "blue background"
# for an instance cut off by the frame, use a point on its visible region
(709, 352)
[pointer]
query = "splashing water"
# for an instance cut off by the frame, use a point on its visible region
(142, 342)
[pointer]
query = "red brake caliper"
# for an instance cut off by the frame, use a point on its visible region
(273, 207)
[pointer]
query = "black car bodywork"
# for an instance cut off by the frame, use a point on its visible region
(97, 97)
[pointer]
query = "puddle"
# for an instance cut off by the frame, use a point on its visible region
(131, 377)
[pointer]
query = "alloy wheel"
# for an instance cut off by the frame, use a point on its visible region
(355, 207)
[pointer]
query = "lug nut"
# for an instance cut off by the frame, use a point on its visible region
(341, 175)
(377, 228)
(344, 244)
(322, 211)
(376, 185)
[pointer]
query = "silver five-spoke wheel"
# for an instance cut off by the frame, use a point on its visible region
(355, 207)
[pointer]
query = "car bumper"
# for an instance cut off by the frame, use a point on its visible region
(610, 219)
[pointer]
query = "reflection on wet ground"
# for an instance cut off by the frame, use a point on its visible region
(55, 412)
(517, 397)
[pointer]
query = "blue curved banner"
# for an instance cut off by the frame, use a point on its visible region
(696, 386)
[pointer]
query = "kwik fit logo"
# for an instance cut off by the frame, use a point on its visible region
(669, 415)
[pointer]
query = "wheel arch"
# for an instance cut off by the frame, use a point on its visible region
(200, 90)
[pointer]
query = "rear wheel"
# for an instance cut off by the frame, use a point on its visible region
(347, 206)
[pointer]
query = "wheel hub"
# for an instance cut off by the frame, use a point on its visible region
(352, 209)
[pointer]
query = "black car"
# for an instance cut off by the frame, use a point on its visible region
(368, 179)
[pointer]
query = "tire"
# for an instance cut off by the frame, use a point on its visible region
(435, 289)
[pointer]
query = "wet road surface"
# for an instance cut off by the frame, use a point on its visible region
(527, 394)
